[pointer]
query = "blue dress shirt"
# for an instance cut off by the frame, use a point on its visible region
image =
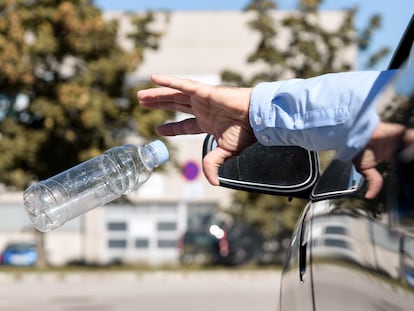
(328, 112)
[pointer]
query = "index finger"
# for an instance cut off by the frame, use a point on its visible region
(164, 98)
(184, 85)
(158, 94)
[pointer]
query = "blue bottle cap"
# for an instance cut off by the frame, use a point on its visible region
(161, 151)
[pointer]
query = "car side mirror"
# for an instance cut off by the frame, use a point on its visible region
(279, 170)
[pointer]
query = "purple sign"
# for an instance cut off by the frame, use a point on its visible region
(190, 170)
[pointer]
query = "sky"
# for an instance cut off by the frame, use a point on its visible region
(395, 14)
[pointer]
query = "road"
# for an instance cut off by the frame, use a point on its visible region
(152, 291)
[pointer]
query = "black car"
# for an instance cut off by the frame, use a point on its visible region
(225, 243)
(201, 247)
(346, 253)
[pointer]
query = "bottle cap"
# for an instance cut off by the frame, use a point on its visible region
(161, 151)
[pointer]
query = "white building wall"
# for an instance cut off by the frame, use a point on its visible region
(201, 44)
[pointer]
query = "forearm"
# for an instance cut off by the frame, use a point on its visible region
(328, 112)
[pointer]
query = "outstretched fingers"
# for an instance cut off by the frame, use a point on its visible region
(187, 126)
(184, 85)
(164, 98)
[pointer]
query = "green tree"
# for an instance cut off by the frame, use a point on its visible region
(364, 39)
(66, 58)
(309, 50)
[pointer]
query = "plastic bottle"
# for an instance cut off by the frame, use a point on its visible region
(120, 170)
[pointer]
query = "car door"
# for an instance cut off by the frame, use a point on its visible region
(355, 257)
(296, 291)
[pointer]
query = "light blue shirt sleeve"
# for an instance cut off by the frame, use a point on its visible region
(327, 112)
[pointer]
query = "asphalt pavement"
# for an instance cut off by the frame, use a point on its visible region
(153, 291)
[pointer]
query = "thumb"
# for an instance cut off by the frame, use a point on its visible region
(212, 162)
(374, 180)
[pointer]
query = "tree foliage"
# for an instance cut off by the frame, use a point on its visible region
(68, 60)
(309, 50)
(364, 40)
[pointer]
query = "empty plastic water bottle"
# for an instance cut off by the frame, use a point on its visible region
(120, 170)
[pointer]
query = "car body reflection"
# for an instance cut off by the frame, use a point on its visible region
(350, 249)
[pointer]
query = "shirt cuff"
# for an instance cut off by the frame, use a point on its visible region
(262, 114)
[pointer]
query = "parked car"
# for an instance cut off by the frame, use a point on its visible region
(220, 243)
(19, 254)
(346, 253)
(201, 247)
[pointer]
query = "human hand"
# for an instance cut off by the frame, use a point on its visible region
(383, 146)
(220, 111)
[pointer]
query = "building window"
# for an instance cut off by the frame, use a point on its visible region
(166, 243)
(335, 230)
(117, 243)
(167, 226)
(117, 226)
(337, 243)
(141, 243)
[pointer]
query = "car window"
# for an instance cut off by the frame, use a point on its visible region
(402, 202)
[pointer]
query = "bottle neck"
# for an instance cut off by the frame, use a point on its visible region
(149, 157)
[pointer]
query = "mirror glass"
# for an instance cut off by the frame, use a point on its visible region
(270, 169)
(339, 179)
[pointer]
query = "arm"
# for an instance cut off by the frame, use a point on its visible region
(328, 112)
(333, 110)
